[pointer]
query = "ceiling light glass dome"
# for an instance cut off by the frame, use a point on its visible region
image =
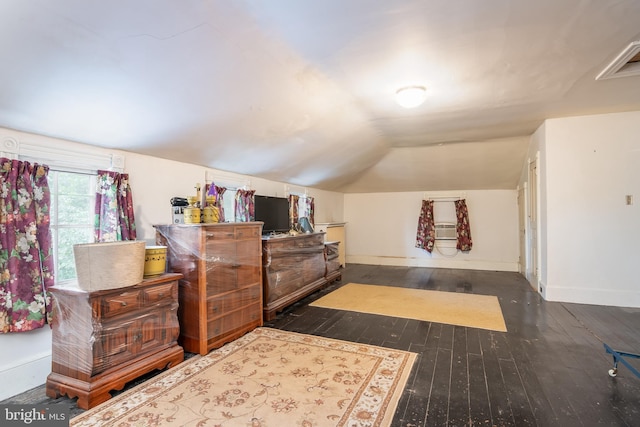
(411, 96)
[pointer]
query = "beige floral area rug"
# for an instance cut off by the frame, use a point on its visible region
(267, 378)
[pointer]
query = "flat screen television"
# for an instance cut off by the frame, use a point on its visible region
(274, 212)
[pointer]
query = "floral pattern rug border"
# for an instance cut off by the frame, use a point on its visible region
(267, 378)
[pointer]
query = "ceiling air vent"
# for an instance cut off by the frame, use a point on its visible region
(626, 64)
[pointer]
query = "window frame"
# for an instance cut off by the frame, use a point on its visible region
(232, 185)
(61, 156)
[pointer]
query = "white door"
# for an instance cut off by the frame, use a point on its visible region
(533, 224)
(522, 231)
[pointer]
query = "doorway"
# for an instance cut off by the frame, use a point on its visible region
(532, 217)
(522, 229)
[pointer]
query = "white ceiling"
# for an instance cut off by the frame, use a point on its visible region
(301, 91)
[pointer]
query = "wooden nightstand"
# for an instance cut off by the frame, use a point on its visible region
(104, 339)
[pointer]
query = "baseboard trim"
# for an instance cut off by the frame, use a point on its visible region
(22, 377)
(630, 299)
(434, 263)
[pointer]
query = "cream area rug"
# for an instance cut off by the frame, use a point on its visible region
(475, 311)
(267, 378)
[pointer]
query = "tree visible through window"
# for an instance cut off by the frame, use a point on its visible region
(72, 215)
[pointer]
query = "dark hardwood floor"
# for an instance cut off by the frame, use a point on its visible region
(549, 369)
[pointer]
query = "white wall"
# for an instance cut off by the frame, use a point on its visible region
(592, 236)
(154, 182)
(381, 230)
(25, 362)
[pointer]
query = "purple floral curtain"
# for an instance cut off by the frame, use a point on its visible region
(114, 219)
(464, 242)
(245, 205)
(294, 202)
(426, 235)
(26, 252)
(220, 201)
(310, 209)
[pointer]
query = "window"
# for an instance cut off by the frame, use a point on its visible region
(303, 208)
(229, 204)
(72, 217)
(304, 200)
(72, 182)
(232, 185)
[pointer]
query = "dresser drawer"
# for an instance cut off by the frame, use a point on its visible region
(252, 313)
(215, 306)
(248, 232)
(222, 233)
(218, 305)
(222, 325)
(115, 305)
(244, 297)
(312, 241)
(160, 293)
(252, 294)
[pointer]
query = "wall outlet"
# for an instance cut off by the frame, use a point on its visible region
(628, 199)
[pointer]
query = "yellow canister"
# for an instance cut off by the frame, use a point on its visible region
(191, 215)
(155, 260)
(210, 214)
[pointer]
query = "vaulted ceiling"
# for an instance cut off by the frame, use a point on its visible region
(302, 91)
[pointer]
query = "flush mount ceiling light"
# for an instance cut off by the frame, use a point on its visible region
(411, 96)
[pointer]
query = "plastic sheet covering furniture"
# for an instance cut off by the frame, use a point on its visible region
(293, 267)
(221, 292)
(104, 339)
(335, 232)
(332, 260)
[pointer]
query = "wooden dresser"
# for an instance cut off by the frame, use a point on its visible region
(221, 293)
(104, 339)
(294, 267)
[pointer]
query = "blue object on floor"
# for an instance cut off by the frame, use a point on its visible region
(618, 356)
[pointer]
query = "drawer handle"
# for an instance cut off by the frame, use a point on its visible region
(122, 303)
(161, 295)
